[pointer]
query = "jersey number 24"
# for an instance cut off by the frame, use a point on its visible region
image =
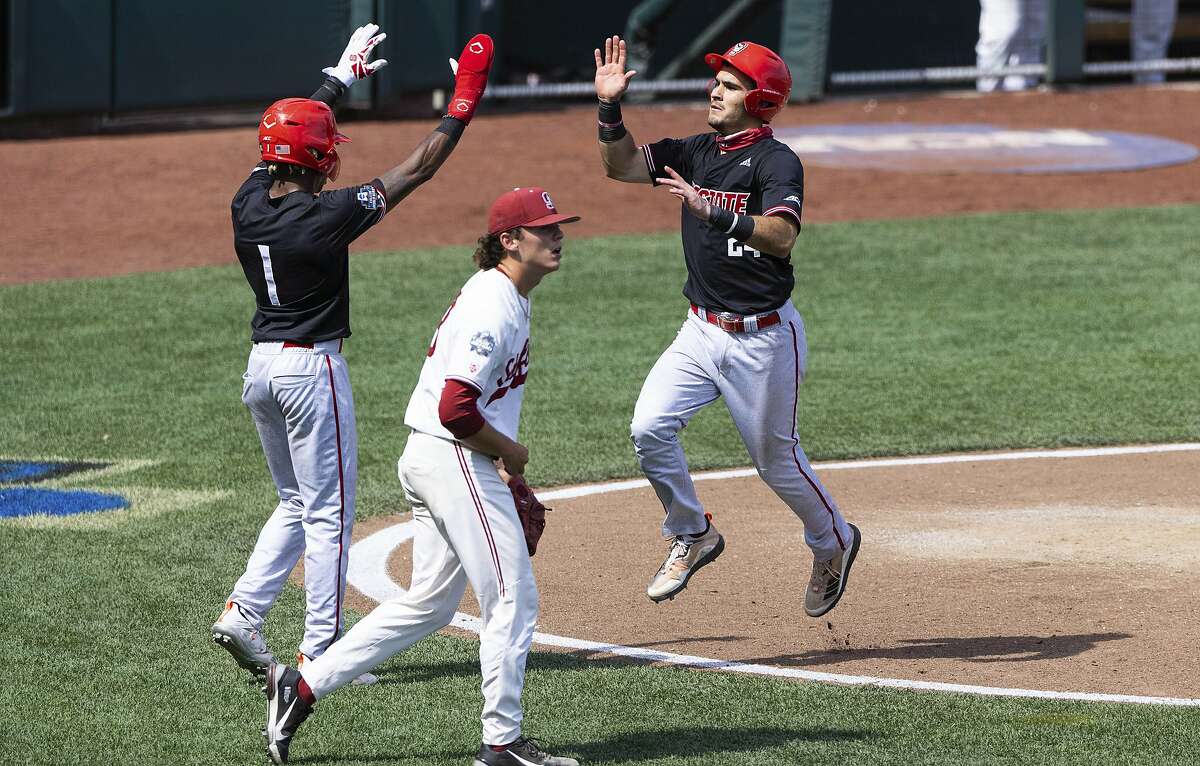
(738, 249)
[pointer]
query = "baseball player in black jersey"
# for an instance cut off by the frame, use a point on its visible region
(743, 340)
(292, 240)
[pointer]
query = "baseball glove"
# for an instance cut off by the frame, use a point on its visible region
(530, 510)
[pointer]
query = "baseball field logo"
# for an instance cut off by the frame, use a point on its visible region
(24, 492)
(981, 148)
(57, 492)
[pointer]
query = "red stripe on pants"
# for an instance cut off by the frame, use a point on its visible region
(337, 426)
(487, 530)
(796, 440)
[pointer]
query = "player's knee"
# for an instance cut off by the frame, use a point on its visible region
(649, 429)
(443, 616)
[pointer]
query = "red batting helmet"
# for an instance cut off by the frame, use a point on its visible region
(301, 131)
(771, 76)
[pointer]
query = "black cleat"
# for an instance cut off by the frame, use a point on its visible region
(523, 752)
(285, 710)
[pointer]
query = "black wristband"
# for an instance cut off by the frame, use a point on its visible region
(740, 227)
(452, 127)
(612, 127)
(330, 91)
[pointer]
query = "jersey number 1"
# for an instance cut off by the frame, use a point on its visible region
(738, 249)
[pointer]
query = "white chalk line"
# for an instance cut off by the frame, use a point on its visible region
(368, 572)
(981, 457)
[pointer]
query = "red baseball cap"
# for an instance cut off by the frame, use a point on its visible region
(524, 206)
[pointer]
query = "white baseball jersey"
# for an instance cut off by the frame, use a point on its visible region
(467, 528)
(483, 341)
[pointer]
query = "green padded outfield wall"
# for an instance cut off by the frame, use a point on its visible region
(422, 35)
(59, 55)
(176, 54)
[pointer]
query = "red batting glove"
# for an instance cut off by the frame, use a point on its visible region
(470, 77)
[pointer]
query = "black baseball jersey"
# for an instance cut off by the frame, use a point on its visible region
(295, 253)
(764, 178)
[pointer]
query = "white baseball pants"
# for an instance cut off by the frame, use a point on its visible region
(1150, 31)
(467, 531)
(1010, 32)
(304, 412)
(757, 373)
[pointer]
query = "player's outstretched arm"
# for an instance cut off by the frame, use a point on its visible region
(620, 155)
(354, 65)
(470, 79)
(773, 235)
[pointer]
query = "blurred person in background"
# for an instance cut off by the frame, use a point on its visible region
(1150, 30)
(1011, 32)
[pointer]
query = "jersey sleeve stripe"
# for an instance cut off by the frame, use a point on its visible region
(649, 158)
(783, 209)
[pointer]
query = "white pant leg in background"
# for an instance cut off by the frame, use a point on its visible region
(1028, 45)
(760, 380)
(281, 540)
(1150, 32)
(1010, 32)
(304, 411)
(467, 531)
(681, 383)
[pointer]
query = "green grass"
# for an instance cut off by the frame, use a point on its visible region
(964, 333)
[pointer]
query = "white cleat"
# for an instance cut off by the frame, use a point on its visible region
(687, 555)
(237, 634)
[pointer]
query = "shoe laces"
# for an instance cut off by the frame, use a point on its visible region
(529, 746)
(822, 570)
(679, 551)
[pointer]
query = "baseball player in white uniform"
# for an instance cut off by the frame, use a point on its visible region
(292, 239)
(1011, 32)
(463, 447)
(743, 340)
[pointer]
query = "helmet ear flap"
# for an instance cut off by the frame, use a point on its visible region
(764, 104)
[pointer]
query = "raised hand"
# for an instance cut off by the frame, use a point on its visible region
(354, 64)
(611, 78)
(470, 70)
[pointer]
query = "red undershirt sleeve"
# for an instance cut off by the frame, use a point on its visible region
(458, 409)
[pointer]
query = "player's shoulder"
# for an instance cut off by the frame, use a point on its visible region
(258, 180)
(493, 297)
(484, 289)
(700, 141)
(779, 157)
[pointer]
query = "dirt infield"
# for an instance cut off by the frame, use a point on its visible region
(1062, 574)
(1050, 574)
(86, 207)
